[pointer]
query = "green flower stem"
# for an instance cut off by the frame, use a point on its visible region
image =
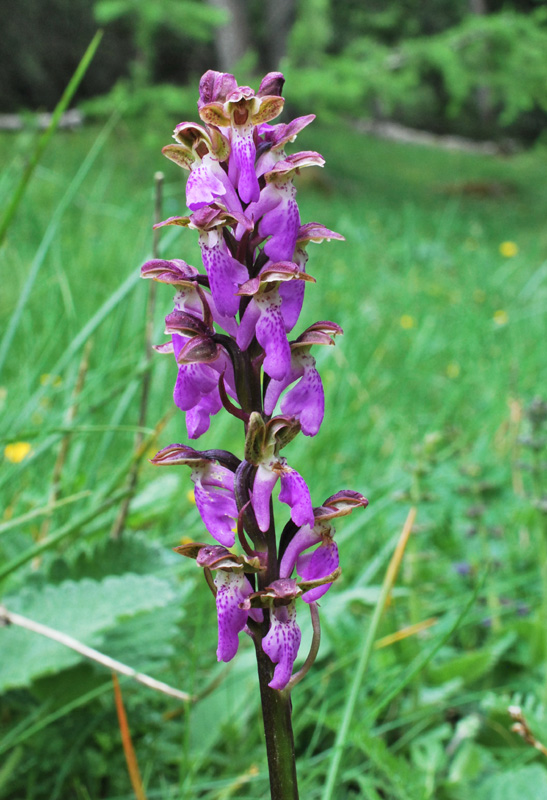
(276, 712)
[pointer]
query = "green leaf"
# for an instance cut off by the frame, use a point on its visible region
(135, 554)
(84, 610)
(473, 664)
(526, 783)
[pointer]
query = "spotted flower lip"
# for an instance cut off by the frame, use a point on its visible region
(282, 641)
(232, 589)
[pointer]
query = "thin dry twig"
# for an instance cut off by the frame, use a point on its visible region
(11, 618)
(55, 488)
(522, 728)
(119, 523)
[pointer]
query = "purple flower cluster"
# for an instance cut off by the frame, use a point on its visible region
(229, 334)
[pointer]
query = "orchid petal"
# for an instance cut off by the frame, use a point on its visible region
(282, 224)
(306, 402)
(304, 538)
(281, 644)
(264, 482)
(292, 296)
(232, 590)
(247, 327)
(243, 160)
(270, 332)
(295, 493)
(224, 272)
(203, 187)
(215, 501)
(314, 566)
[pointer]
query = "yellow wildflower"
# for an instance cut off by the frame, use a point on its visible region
(407, 322)
(17, 452)
(190, 496)
(501, 317)
(54, 380)
(508, 249)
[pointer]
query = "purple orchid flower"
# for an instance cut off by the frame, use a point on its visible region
(213, 492)
(324, 560)
(263, 317)
(276, 208)
(215, 501)
(294, 492)
(273, 139)
(225, 273)
(281, 644)
(238, 108)
(201, 152)
(232, 591)
(312, 566)
(306, 400)
(292, 294)
(197, 386)
(241, 193)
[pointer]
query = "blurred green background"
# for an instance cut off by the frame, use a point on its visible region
(468, 66)
(435, 398)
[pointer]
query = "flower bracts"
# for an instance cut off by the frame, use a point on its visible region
(229, 335)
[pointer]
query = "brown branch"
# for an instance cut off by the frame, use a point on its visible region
(521, 727)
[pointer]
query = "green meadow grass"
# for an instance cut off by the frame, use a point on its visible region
(444, 347)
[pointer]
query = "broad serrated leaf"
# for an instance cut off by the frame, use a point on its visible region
(135, 554)
(147, 641)
(83, 609)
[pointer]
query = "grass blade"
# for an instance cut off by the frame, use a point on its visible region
(49, 237)
(389, 580)
(44, 140)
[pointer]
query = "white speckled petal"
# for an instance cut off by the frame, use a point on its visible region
(270, 332)
(281, 644)
(232, 589)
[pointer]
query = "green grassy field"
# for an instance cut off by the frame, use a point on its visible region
(441, 288)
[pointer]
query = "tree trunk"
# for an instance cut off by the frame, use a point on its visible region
(279, 18)
(483, 96)
(231, 39)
